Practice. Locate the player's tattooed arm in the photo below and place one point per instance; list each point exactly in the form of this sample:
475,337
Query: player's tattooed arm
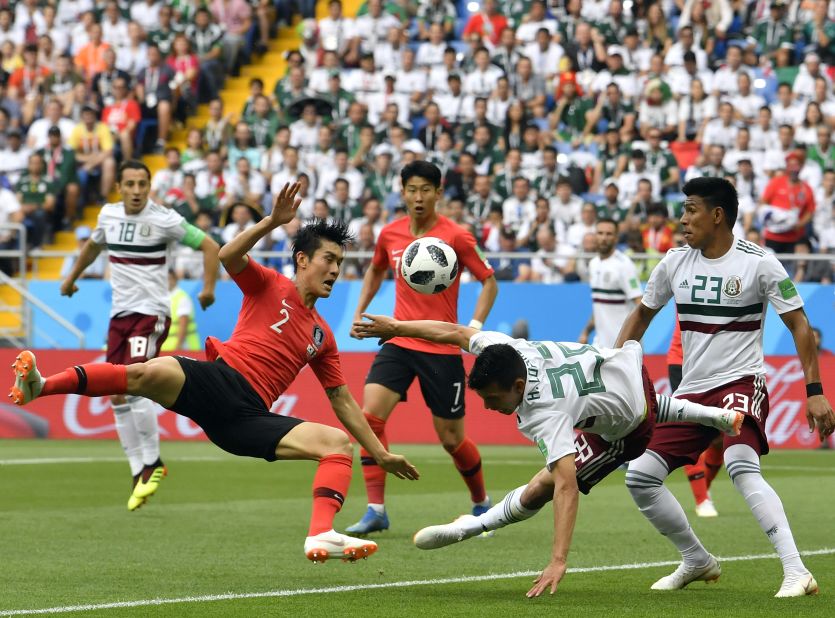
351,416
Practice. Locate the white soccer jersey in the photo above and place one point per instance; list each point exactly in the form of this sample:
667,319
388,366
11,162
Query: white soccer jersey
614,284
721,307
573,386
138,247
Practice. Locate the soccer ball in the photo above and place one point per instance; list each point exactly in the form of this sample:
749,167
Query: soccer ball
429,265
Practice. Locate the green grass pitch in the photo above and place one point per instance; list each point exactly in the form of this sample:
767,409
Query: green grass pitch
222,525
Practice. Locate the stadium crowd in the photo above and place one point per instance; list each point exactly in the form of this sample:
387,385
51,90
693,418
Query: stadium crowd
543,117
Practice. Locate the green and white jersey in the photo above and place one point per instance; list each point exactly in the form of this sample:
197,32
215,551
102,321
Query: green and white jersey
614,284
721,306
573,386
138,247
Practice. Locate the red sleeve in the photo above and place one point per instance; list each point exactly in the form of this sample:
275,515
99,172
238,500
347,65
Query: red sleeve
105,114
134,113
768,192
327,366
253,277
16,78
381,256
471,25
470,256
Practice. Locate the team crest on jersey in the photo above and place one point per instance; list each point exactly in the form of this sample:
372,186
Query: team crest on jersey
318,336
145,230
311,351
733,286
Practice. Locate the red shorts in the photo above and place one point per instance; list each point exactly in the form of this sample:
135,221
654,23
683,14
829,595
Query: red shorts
682,443
596,457
136,337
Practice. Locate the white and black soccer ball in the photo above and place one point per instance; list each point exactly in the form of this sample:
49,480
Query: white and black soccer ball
429,265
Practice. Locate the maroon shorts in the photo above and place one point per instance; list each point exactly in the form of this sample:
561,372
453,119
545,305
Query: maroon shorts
597,457
682,443
136,337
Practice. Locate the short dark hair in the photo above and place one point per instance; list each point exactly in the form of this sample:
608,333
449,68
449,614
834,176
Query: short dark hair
607,220
716,193
132,164
421,169
498,364
310,237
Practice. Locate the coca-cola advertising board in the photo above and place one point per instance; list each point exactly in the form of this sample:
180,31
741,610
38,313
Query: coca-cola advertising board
74,416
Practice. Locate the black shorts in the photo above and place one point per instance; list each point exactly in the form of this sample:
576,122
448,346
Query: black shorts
441,376
228,409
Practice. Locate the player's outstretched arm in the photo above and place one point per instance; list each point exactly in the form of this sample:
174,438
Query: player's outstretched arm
211,261
233,254
89,252
636,324
348,411
819,412
566,499
385,328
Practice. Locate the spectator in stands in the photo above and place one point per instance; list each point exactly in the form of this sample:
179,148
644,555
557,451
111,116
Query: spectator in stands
103,80
580,228
36,197
526,235
89,59
658,231
93,145
772,31
519,208
813,271
193,156
340,203
168,178
218,129
97,270
10,213
26,82
372,216
123,117
186,68
240,216
612,207
787,207
153,90
207,42
132,55
488,23
61,174
161,30
211,184
53,116
712,165
338,33
60,83
354,268
554,263
439,15
510,268
235,19
245,184
14,158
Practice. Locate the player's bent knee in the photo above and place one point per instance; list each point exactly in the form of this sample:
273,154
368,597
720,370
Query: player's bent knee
335,442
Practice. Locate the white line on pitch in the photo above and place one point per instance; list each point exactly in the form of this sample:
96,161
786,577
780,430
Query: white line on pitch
76,460
233,596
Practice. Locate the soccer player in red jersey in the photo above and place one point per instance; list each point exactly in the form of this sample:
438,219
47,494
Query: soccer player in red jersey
438,367
229,395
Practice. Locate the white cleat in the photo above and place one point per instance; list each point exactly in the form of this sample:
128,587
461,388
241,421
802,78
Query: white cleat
706,509
729,422
685,574
435,537
798,586
332,544
28,382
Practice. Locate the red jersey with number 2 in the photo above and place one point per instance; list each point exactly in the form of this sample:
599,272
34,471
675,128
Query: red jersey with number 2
412,305
276,336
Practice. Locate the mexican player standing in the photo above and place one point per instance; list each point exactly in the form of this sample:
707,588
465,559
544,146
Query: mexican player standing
614,287
439,368
722,285
137,234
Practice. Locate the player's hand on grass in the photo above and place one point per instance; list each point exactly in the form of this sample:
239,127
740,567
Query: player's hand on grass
549,578
285,204
399,466
819,414
381,326
68,287
206,299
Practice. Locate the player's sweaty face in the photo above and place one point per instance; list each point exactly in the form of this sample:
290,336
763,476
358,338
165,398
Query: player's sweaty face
323,269
135,187
697,221
607,236
420,196
501,400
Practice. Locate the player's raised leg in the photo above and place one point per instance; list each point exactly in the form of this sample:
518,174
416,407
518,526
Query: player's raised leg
332,449
520,504
645,481
674,410
743,465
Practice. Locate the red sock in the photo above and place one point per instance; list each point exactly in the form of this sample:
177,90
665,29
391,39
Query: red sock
330,486
696,476
93,380
713,457
374,475
468,461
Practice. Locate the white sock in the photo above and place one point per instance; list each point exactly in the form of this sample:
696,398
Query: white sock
645,480
672,410
743,466
508,511
128,436
147,426
380,509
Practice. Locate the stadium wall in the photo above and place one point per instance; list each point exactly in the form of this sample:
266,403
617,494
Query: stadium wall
73,416
554,312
